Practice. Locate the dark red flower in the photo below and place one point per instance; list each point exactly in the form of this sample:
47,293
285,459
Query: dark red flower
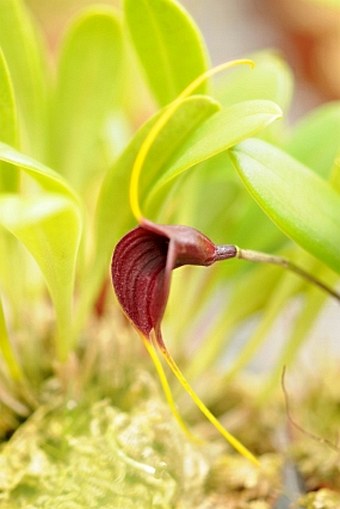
141,271
142,263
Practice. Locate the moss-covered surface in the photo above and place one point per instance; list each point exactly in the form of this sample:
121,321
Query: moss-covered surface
109,440
90,455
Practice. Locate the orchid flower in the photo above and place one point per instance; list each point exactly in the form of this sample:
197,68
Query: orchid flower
145,257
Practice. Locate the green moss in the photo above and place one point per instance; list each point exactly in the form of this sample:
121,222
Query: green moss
83,455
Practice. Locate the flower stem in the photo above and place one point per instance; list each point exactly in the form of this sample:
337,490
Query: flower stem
258,257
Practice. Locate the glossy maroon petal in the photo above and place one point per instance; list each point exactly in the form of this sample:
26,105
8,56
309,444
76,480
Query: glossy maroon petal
138,276
142,263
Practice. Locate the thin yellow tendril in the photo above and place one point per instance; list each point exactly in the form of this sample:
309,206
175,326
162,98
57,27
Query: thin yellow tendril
167,390
161,122
233,441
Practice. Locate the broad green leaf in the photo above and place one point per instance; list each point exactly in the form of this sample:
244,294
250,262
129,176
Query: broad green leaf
88,88
315,141
48,226
299,202
44,176
168,44
23,54
335,176
230,214
270,79
8,125
217,134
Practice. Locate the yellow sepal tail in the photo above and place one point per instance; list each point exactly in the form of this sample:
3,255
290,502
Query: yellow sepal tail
161,122
233,441
166,389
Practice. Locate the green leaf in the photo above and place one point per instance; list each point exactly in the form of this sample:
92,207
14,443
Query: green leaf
270,79
23,54
48,226
299,202
315,141
88,89
44,176
168,44
335,176
8,124
217,134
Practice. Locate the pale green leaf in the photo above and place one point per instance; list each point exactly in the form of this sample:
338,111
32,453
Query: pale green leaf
21,47
315,141
217,134
8,124
168,44
270,79
44,176
335,176
299,202
88,89
48,226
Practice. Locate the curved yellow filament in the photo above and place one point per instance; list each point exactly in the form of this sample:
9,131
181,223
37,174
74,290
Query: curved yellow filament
233,441
161,122
167,390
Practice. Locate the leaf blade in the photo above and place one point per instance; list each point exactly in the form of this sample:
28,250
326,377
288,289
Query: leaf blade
315,141
48,226
160,30
88,90
8,124
299,202
44,176
217,134
23,52
270,79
